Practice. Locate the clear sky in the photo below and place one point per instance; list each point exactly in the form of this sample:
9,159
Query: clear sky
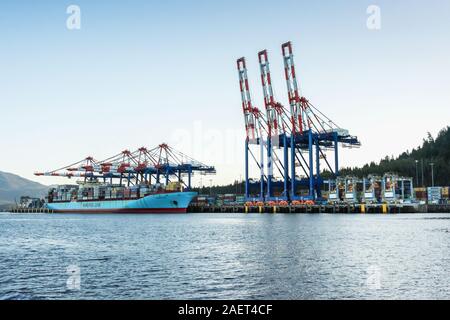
145,72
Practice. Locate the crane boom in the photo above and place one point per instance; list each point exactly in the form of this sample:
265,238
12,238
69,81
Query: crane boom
297,117
274,110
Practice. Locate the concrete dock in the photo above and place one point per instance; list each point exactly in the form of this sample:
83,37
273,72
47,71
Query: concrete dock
316,208
326,208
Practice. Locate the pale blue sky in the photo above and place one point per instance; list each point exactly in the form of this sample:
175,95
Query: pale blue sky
143,72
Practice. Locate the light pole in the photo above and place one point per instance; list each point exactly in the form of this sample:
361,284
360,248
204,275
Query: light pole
417,172
432,174
240,182
210,187
423,183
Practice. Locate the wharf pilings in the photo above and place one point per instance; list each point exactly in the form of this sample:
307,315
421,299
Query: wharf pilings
30,210
316,208
326,208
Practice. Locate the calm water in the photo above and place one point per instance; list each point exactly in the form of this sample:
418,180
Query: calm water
225,256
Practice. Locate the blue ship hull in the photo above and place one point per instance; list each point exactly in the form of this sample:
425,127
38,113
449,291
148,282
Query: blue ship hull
174,202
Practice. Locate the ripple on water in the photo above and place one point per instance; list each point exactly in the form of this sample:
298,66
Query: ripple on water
224,256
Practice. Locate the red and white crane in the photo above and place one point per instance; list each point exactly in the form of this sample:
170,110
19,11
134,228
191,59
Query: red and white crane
254,119
297,117
304,116
82,168
276,115
136,167
255,124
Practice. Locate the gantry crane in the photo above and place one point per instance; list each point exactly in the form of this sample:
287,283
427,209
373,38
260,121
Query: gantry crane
301,130
139,167
257,128
255,125
277,123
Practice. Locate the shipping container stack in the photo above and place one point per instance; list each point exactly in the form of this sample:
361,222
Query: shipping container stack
445,195
240,199
421,194
108,193
63,193
203,201
434,195
143,191
174,186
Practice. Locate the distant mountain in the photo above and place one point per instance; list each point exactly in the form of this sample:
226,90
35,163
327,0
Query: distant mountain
12,187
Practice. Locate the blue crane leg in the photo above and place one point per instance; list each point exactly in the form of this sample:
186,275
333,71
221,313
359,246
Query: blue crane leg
336,155
292,167
286,168
261,195
247,193
318,191
269,168
311,165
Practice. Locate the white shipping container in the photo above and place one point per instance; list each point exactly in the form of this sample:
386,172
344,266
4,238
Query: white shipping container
434,193
389,194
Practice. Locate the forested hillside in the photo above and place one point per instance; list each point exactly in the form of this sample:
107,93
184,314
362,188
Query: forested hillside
433,150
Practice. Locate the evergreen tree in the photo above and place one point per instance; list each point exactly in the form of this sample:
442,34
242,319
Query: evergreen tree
435,151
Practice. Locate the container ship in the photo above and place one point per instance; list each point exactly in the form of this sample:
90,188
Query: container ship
99,198
144,181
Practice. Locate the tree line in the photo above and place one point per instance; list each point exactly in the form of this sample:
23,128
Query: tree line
416,163
432,155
